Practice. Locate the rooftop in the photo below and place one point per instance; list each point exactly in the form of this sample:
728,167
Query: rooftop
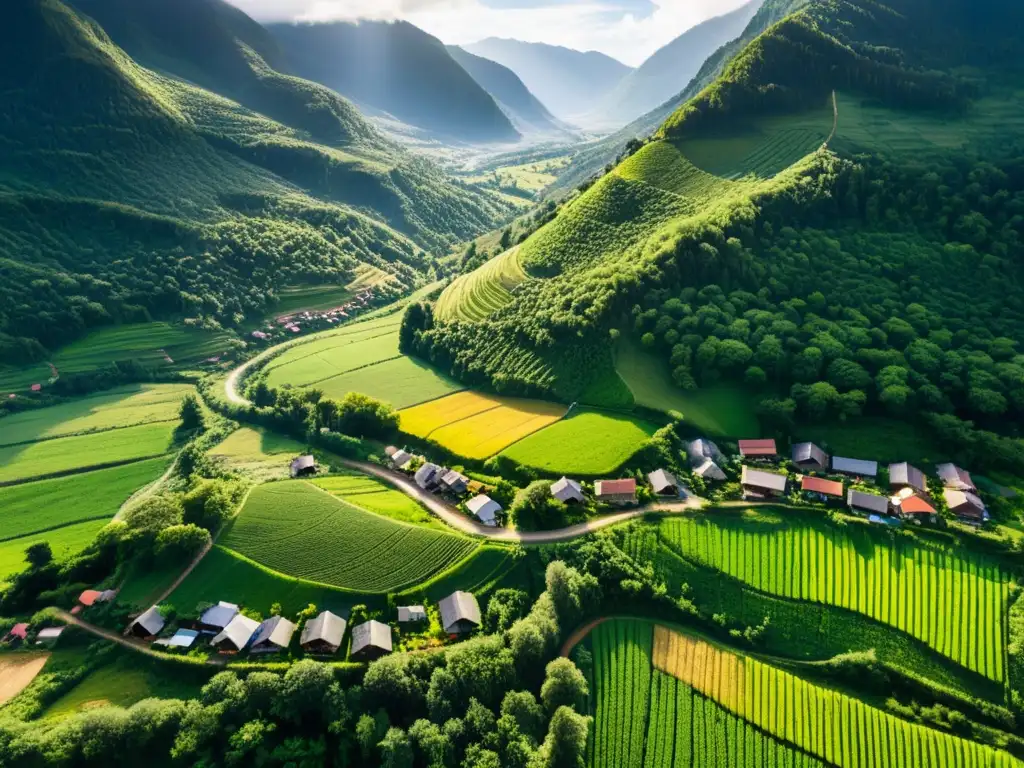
757,448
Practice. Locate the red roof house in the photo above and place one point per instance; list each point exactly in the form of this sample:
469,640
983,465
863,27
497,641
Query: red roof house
755,448
89,597
915,505
19,631
616,491
821,485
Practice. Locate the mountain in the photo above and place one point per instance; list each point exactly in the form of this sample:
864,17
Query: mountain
567,82
127,194
525,111
671,68
398,69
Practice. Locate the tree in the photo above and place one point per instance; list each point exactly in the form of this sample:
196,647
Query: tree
847,374
152,515
534,508
191,413
396,749
362,416
179,543
505,607
39,555
418,317
564,685
566,743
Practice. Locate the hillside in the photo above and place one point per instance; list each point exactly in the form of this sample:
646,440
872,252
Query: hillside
398,69
670,69
111,173
525,111
567,82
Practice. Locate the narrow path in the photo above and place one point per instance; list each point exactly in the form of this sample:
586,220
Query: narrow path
578,636
130,643
186,573
144,493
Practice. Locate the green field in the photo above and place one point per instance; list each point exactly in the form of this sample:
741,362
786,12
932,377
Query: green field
531,177
258,452
69,454
586,443
403,382
65,542
300,368
720,411
142,342
299,530
124,407
374,496
311,298
474,574
483,291
952,600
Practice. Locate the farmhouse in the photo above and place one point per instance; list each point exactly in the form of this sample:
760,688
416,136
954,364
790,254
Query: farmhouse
323,635
809,456
966,505
399,459
214,619
17,635
709,471
567,491
370,640
89,598
664,483
236,635
758,449
485,509
856,467
460,613
303,466
903,475
183,638
148,624
615,491
702,449
410,614
825,489
956,478
868,503
427,476
273,635
455,482
758,484
916,508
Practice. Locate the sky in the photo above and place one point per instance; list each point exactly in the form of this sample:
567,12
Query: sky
628,30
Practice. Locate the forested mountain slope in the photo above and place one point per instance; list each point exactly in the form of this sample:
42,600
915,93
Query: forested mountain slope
125,194
398,69
883,277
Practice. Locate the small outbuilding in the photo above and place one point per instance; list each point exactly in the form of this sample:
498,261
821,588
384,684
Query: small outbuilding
904,475
455,482
709,470
702,449
460,613
567,491
760,484
411,614
427,476
323,635
183,638
619,492
370,640
215,618
855,467
758,449
485,509
236,635
810,456
827,489
49,635
664,483
966,505
956,478
148,624
303,466
400,459
867,503
273,636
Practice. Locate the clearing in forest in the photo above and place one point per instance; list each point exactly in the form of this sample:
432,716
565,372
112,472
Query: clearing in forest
17,671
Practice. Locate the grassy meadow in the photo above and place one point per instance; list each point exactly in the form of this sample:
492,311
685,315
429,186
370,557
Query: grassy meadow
258,452
374,496
65,542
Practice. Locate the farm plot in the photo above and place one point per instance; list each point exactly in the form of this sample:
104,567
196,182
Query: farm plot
402,382
483,291
299,530
374,496
587,443
65,542
68,454
315,367
836,728
954,601
473,574
622,674
258,452
478,426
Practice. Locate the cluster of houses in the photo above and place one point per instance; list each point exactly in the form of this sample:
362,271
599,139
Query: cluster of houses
316,319
908,493
230,632
19,635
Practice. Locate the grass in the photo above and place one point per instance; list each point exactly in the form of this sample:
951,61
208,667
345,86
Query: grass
478,426
258,452
29,508
885,440
587,443
483,291
374,496
317,369
65,542
530,177
123,407
299,530
142,588
402,383
68,454
719,411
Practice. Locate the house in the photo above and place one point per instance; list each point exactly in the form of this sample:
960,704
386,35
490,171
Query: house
826,489
856,467
17,635
183,638
916,508
903,475
702,449
615,491
236,635
410,614
455,482
485,509
49,635
89,598
867,503
567,491
758,449
809,456
106,596
759,484
323,635
956,478
370,640
273,635
460,613
427,476
148,624
214,619
664,483
303,466
966,505
709,471
400,459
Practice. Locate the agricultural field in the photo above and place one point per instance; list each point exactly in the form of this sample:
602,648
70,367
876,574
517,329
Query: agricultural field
65,542
718,411
374,496
478,572
303,368
311,298
952,600
587,443
478,426
259,453
17,671
483,291
299,530
622,686
402,382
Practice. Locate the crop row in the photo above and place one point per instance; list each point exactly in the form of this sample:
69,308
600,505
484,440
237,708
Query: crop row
622,673
479,294
953,601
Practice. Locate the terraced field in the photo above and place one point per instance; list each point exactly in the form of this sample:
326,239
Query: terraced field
372,495
299,530
484,291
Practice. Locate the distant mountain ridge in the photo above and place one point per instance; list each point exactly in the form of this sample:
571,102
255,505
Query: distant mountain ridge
566,81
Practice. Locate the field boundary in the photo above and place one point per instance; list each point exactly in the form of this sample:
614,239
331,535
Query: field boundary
80,470
96,431
52,528
287,577
269,367
350,370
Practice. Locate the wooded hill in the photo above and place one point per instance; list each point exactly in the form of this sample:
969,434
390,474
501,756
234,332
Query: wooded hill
125,193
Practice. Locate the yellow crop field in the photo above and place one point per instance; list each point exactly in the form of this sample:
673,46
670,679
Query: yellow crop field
478,426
